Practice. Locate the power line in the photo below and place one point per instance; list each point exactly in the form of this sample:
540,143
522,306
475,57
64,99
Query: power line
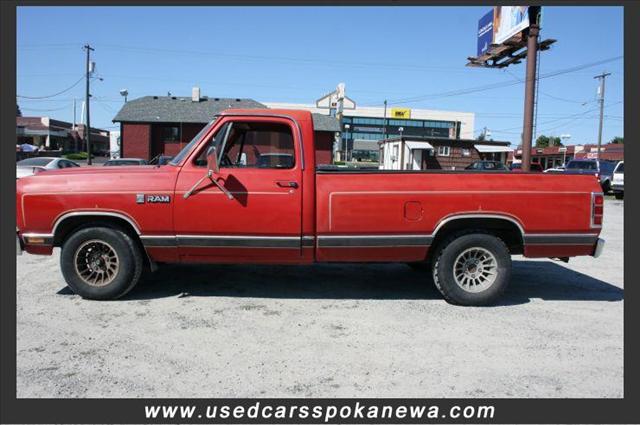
501,84
53,95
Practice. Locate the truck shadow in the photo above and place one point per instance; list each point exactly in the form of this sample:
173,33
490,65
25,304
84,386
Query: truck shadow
530,279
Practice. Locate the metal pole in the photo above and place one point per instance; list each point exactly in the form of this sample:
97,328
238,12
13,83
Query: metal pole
529,96
87,129
601,77
384,121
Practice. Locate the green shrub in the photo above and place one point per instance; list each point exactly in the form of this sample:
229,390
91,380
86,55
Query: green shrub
76,155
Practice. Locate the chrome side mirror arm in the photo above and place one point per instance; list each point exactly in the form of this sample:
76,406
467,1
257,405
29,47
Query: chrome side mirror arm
209,176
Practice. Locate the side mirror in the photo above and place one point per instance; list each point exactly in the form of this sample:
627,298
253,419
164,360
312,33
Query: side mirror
212,161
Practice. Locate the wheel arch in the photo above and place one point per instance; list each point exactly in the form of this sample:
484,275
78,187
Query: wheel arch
68,222
506,227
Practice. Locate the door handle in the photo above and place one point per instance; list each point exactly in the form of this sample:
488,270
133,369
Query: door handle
283,183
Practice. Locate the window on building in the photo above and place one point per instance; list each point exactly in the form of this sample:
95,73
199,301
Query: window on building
444,150
170,133
466,152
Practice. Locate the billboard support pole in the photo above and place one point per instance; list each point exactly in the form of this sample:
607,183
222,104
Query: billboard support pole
529,95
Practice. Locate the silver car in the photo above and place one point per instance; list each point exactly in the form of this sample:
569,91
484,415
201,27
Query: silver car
31,166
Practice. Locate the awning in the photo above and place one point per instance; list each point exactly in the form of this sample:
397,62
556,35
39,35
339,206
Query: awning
492,148
418,145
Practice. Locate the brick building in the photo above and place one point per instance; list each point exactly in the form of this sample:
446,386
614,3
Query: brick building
555,156
59,136
163,125
434,153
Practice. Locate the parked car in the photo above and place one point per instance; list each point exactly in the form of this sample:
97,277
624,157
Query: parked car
601,169
617,182
487,166
31,166
125,161
534,167
206,208
160,160
558,169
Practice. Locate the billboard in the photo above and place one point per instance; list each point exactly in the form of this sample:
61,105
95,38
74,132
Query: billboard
485,33
509,21
400,113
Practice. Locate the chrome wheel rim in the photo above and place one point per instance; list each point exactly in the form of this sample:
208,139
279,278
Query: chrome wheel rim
475,269
96,263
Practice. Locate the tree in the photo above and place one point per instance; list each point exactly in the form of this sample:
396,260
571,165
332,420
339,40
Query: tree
18,111
544,141
618,140
481,137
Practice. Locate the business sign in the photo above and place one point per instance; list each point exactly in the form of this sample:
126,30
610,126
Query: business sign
485,33
509,21
400,113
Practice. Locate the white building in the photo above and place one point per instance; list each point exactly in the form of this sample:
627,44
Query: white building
364,126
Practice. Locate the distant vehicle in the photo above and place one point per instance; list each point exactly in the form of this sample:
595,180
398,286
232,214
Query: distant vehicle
31,166
617,182
125,161
534,167
558,169
487,166
602,169
160,160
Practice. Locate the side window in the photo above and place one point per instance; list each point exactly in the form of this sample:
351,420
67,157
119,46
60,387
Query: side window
253,145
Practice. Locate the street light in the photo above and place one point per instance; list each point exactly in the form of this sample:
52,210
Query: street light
564,151
346,141
400,129
124,93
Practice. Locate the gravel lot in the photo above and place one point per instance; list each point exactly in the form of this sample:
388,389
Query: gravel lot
326,331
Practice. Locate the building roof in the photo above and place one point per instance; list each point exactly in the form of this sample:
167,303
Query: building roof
440,140
179,109
325,123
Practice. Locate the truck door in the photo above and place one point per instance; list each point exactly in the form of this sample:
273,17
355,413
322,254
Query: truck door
258,167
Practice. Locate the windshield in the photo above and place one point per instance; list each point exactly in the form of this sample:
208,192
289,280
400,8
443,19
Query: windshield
34,162
183,153
620,168
582,165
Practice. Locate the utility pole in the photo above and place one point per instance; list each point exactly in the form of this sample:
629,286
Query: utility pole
601,77
87,95
529,94
384,121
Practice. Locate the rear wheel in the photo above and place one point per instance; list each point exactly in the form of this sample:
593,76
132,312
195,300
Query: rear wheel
101,263
472,268
619,195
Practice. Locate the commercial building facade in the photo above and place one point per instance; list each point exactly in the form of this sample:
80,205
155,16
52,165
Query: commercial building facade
363,127
51,135
556,156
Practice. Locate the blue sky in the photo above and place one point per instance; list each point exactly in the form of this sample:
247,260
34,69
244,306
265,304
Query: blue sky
297,54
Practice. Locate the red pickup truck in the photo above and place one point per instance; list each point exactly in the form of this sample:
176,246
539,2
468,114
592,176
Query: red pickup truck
247,189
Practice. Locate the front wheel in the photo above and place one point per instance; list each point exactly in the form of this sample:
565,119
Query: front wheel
472,269
619,195
101,263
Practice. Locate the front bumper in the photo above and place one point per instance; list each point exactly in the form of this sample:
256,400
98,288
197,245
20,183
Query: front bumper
617,187
598,248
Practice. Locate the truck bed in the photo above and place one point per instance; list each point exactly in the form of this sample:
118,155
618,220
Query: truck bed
361,211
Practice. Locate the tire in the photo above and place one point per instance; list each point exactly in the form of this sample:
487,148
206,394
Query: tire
619,195
476,287
606,186
101,248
